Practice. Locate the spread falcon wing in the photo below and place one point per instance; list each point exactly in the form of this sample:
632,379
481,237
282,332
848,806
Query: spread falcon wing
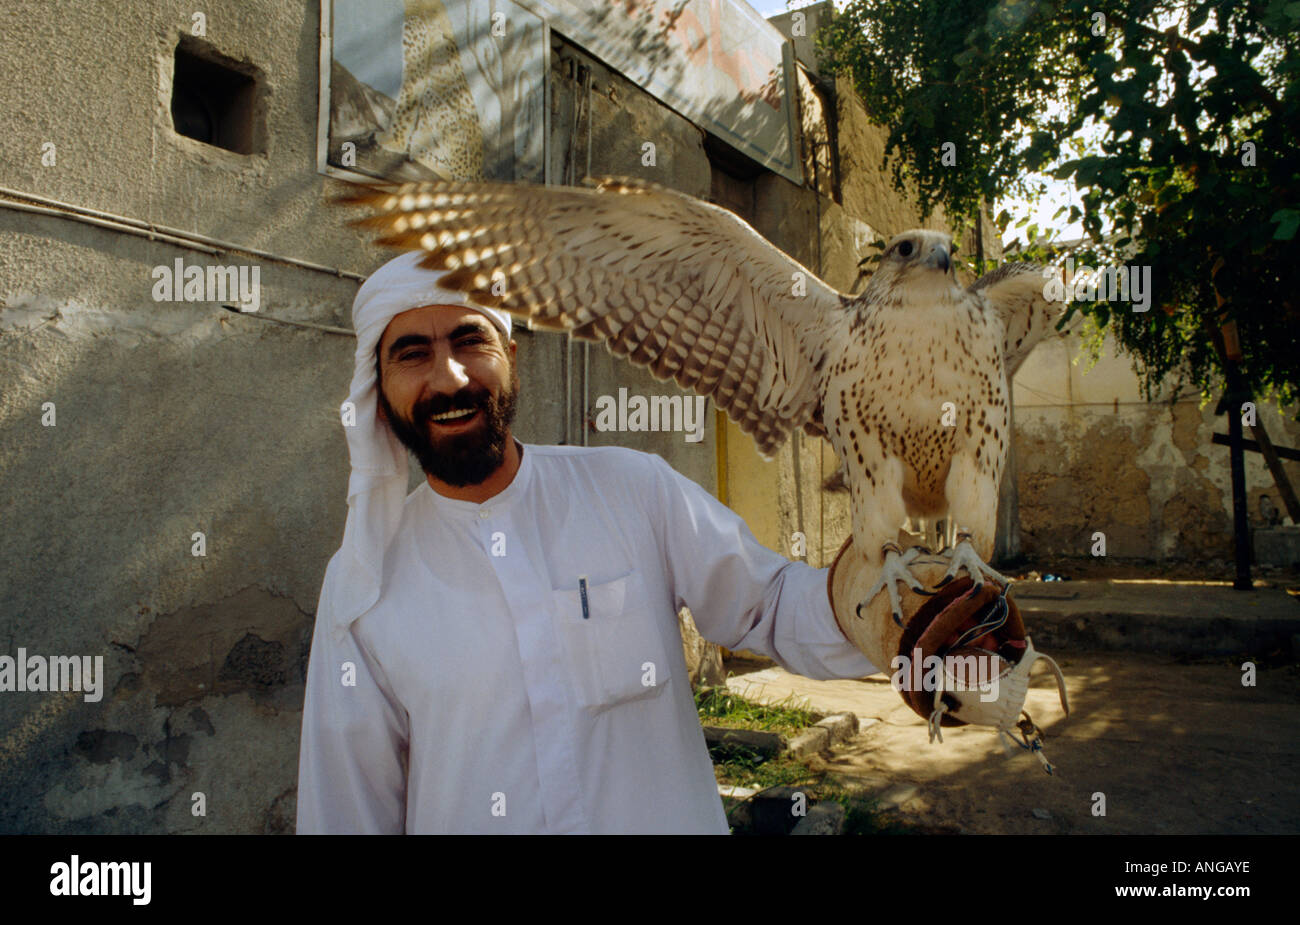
680,286
1015,291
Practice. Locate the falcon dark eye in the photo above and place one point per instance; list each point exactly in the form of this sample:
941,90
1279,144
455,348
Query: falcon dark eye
905,249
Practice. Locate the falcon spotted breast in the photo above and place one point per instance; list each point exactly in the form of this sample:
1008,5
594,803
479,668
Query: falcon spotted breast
908,381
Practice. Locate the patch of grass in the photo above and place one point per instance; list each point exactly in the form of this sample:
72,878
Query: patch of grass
717,706
744,767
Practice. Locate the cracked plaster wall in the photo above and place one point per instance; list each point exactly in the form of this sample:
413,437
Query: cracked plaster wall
1095,456
171,418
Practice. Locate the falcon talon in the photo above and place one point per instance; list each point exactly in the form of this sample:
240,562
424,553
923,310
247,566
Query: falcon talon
893,572
965,557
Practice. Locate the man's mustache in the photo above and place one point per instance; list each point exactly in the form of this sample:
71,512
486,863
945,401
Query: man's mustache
465,399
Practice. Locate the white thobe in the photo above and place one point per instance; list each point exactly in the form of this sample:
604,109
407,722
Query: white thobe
480,696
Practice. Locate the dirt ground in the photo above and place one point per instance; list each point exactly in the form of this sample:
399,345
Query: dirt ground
1174,746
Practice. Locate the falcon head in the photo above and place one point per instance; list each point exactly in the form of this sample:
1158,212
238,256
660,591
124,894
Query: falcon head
919,260
919,251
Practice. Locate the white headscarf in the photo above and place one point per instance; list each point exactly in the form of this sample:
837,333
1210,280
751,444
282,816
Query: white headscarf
380,470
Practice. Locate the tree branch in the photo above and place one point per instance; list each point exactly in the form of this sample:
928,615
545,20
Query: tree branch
1192,48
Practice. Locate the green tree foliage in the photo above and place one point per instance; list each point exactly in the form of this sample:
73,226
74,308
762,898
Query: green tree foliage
1178,124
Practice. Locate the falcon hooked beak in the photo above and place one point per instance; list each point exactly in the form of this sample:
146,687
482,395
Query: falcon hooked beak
915,252
938,257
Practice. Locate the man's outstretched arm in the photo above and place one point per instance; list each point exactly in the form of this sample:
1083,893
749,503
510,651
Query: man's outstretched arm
742,594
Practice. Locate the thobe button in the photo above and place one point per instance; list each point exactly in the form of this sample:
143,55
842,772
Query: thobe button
482,515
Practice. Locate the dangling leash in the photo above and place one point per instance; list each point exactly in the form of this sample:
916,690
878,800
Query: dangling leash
1031,738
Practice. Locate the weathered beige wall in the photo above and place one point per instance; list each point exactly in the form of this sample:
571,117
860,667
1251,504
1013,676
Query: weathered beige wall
1095,456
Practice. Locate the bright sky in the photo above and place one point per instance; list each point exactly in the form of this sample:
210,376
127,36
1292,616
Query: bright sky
772,7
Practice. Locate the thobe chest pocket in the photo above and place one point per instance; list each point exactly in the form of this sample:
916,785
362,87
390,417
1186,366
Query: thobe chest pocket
616,652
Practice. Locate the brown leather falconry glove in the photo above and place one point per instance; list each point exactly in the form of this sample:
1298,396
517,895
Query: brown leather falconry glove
961,656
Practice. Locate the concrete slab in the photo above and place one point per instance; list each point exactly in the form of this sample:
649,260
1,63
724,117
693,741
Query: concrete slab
767,744
1172,617
1277,546
826,818
811,741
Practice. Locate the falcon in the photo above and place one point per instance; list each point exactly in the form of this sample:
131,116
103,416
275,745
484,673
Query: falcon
908,380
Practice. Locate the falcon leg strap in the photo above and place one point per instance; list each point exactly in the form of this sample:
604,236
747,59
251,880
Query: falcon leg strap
1031,738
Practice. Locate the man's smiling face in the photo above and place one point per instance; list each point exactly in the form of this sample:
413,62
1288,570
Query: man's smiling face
448,388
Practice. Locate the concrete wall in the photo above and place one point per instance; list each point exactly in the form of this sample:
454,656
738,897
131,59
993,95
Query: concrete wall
1095,456
171,418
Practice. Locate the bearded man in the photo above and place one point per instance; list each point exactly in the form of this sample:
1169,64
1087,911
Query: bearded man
498,652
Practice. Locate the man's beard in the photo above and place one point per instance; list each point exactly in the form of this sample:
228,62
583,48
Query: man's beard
459,459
